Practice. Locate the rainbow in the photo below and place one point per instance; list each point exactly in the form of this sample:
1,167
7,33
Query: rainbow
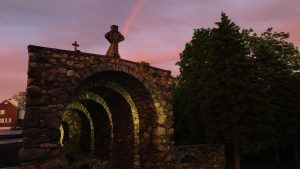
131,16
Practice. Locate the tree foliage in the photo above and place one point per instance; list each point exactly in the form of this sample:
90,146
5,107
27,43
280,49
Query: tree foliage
278,61
224,95
237,87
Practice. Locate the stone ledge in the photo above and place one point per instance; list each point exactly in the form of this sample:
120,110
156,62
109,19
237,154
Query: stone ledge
34,48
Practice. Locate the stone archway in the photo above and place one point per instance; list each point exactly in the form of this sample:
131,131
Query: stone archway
128,101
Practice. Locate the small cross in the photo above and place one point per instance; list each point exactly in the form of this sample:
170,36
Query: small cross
75,44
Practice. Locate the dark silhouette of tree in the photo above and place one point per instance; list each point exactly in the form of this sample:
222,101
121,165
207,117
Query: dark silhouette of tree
278,61
221,95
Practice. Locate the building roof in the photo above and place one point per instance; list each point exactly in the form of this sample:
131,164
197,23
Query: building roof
14,102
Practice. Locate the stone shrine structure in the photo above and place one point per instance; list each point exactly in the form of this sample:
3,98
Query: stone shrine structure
83,106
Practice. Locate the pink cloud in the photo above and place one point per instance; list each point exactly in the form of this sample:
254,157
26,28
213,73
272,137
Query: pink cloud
157,32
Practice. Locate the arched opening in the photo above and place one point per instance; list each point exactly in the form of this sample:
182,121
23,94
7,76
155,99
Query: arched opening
66,135
122,114
85,136
76,133
102,128
123,134
71,121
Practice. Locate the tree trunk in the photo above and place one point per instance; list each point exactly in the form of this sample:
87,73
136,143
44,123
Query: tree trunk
237,156
277,156
296,155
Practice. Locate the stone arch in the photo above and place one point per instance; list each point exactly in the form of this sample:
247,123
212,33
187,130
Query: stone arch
98,99
73,124
76,121
82,108
114,86
122,92
160,92
150,85
53,79
78,106
119,89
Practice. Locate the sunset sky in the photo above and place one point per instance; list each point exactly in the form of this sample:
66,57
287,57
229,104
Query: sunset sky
155,30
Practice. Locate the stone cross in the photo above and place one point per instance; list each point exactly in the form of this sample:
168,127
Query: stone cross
75,44
114,37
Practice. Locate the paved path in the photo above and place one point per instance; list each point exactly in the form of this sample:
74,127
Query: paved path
10,136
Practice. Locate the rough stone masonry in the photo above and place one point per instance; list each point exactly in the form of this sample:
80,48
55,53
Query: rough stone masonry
144,104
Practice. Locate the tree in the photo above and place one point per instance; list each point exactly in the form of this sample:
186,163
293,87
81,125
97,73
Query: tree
186,100
21,98
278,62
225,97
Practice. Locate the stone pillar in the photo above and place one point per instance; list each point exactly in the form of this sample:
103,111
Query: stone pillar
41,133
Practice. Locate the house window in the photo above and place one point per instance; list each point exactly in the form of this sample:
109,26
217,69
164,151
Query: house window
8,120
2,112
5,120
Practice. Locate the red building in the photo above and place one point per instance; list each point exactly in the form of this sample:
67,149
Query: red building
9,114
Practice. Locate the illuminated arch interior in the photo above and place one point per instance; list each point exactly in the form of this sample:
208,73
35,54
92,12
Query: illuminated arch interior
118,104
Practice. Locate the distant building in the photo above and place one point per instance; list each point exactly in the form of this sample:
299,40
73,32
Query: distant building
8,114
11,114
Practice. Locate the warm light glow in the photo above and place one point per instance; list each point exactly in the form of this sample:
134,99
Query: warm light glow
98,99
62,134
71,118
119,89
82,108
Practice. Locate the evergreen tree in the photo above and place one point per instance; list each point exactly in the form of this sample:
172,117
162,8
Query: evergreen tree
187,117
225,97
236,87
278,62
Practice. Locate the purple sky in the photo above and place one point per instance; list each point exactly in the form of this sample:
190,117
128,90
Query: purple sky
155,30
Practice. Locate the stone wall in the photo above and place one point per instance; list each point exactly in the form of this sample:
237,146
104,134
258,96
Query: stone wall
197,157
53,76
